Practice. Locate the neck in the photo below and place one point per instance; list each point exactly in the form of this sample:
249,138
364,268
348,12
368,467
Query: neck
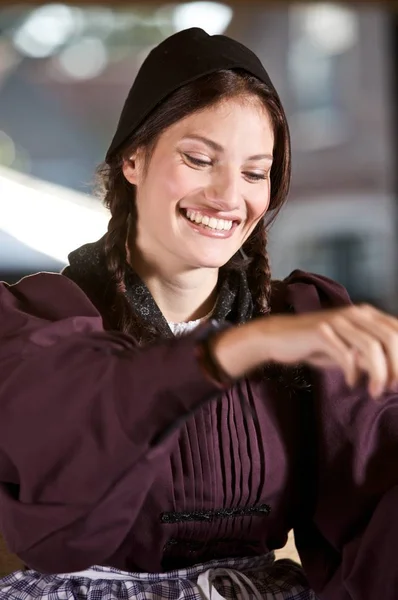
181,295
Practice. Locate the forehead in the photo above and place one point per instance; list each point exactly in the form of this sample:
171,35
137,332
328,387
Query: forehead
243,121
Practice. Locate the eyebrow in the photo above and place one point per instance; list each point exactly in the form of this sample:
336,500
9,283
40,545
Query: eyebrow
218,148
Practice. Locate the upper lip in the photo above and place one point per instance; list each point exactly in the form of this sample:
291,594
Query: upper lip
215,214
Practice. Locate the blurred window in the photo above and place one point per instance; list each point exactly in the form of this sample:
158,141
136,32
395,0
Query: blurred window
348,258
319,34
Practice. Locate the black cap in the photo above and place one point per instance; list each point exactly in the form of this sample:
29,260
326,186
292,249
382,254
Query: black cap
178,60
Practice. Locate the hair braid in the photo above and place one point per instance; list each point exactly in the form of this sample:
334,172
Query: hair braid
259,270
115,247
119,198
291,379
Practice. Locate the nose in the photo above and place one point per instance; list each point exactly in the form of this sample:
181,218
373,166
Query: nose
223,192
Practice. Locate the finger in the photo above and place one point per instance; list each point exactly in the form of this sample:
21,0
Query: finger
375,312
370,353
351,375
333,350
385,329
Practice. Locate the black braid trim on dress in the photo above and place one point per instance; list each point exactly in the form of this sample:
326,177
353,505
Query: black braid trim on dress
208,516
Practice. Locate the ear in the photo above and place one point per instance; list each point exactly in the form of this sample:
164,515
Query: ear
131,168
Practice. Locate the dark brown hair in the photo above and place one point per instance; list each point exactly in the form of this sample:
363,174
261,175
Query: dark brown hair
119,194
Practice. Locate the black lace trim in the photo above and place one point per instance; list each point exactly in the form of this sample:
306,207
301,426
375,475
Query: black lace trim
212,515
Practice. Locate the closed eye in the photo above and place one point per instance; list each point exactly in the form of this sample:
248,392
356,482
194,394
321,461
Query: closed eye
198,162
253,177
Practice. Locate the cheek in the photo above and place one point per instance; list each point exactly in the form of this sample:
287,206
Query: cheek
174,181
258,203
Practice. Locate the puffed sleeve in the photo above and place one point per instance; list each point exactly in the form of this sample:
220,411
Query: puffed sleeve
87,420
347,535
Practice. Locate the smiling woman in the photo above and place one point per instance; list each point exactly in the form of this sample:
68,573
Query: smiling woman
207,151
168,412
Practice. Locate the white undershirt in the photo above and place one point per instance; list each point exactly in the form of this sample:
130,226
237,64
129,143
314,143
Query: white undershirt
188,326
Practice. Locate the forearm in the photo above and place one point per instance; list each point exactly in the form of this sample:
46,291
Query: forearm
239,350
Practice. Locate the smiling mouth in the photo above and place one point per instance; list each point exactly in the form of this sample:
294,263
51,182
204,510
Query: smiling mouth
208,222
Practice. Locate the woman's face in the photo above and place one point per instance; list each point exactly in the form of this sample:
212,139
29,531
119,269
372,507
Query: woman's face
206,186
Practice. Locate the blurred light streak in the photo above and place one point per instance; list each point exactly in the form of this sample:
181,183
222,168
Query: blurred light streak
48,218
7,149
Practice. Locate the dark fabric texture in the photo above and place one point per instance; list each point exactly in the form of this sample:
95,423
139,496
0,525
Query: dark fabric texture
87,268
178,60
99,439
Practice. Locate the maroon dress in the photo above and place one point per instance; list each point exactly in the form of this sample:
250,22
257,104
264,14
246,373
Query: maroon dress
132,457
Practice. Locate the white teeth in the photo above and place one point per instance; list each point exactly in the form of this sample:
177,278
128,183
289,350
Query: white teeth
211,222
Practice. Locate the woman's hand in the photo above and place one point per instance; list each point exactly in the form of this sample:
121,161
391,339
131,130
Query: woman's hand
358,339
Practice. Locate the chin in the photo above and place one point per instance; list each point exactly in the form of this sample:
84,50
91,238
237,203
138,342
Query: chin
211,265
214,262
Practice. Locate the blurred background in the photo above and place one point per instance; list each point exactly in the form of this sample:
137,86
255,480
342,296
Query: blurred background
65,71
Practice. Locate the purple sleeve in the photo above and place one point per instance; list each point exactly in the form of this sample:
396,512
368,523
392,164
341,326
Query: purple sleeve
86,422
349,544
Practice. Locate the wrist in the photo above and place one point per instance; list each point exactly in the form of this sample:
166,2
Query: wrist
239,350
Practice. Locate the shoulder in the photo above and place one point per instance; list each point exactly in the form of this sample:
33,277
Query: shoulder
304,292
41,310
50,296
